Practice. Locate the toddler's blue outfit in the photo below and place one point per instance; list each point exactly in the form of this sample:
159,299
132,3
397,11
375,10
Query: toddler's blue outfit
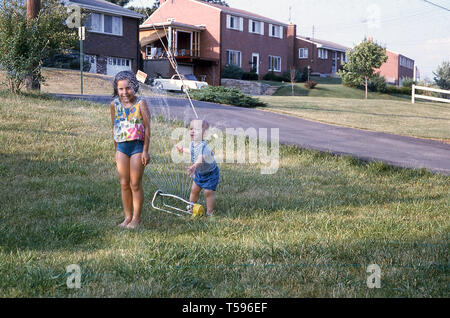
207,174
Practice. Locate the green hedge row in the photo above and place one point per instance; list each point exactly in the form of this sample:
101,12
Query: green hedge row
222,95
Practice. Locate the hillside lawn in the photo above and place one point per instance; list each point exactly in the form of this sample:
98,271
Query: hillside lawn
333,103
310,230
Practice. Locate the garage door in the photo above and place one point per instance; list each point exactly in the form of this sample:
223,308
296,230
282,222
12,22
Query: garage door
185,69
116,65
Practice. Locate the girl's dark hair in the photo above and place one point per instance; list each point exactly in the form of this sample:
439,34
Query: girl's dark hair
125,75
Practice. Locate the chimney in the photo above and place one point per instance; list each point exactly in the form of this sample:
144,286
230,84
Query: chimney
291,38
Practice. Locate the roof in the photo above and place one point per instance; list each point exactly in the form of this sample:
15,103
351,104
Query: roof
105,7
173,24
325,44
242,13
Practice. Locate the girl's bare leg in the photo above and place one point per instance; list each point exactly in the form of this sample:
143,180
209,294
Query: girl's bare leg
136,173
123,168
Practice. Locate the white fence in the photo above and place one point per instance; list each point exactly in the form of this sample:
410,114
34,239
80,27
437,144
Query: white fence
423,88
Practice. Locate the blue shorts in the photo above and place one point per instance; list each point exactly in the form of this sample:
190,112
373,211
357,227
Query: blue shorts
130,147
208,181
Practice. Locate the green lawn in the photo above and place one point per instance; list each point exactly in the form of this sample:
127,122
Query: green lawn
310,230
425,120
333,88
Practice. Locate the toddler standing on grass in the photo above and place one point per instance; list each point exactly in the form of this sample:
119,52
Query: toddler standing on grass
204,169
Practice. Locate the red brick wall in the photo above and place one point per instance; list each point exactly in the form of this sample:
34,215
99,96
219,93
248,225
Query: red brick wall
104,45
248,43
390,68
190,12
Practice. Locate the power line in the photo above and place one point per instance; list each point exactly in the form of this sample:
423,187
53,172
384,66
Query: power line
436,5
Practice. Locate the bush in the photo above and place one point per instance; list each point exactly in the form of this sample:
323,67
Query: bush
407,82
298,76
377,84
310,84
222,95
398,90
233,72
250,76
271,76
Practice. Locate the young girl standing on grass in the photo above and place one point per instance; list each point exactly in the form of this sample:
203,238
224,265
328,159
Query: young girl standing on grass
131,131
204,170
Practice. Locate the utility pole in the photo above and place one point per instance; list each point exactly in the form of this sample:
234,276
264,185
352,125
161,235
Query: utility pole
33,8
82,37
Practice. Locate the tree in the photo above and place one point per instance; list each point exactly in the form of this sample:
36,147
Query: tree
121,3
223,3
363,59
442,75
292,77
25,44
146,11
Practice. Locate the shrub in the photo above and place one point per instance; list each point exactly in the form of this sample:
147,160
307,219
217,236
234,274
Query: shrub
271,76
310,84
250,76
298,76
377,84
222,95
407,82
232,71
398,90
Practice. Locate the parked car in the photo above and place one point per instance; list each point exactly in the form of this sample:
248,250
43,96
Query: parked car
175,83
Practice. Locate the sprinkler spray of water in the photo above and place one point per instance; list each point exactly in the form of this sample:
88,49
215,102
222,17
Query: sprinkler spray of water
159,201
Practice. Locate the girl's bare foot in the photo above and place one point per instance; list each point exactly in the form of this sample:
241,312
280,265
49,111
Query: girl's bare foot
133,224
125,223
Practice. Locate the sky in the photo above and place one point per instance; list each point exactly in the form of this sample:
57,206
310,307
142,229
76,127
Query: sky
415,28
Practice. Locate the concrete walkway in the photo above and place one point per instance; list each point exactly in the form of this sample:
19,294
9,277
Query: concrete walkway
392,149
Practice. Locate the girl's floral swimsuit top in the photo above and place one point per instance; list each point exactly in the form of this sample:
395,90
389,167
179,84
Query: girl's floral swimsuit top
128,124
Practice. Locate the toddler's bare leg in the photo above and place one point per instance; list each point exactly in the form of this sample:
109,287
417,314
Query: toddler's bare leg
210,201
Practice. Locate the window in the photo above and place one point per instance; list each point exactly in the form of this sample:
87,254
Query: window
322,54
343,57
119,61
276,31
405,62
103,23
303,53
234,58
256,27
274,63
235,23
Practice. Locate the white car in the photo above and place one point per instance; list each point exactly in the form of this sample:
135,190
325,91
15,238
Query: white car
176,84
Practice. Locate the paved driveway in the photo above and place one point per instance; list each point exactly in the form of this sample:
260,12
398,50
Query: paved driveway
366,145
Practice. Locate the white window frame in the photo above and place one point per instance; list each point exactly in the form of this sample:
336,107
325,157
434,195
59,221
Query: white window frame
277,67
343,57
118,61
322,54
116,24
257,24
276,31
230,58
303,53
235,23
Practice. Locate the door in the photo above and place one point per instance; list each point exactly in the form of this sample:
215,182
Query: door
255,62
334,63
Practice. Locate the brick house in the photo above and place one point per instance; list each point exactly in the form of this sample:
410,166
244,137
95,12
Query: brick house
205,37
323,57
112,36
396,68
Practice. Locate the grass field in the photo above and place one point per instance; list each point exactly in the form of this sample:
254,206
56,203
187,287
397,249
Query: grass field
425,120
310,230
333,103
